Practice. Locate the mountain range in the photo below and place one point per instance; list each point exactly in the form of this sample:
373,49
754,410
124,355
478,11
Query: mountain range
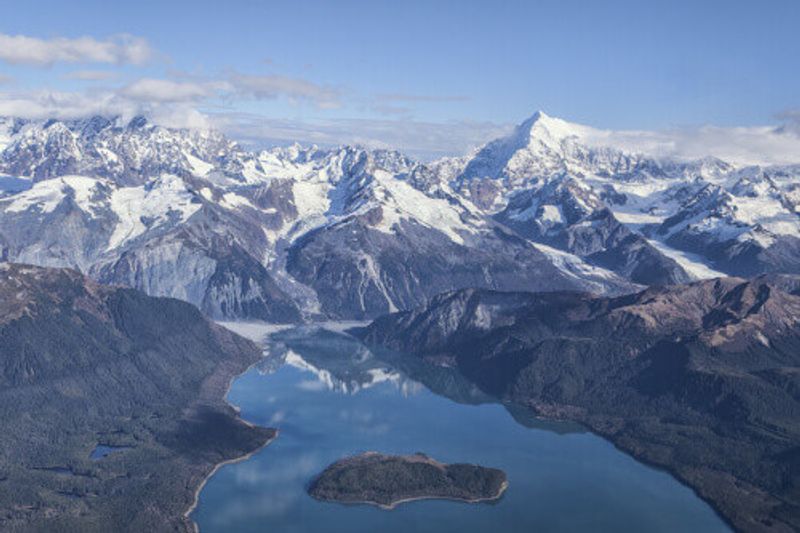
294,233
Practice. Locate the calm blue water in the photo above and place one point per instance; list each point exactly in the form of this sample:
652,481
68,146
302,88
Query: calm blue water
330,397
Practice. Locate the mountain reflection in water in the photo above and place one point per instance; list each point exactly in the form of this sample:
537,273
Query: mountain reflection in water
331,396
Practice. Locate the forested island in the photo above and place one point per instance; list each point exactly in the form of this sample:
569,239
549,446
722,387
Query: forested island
389,480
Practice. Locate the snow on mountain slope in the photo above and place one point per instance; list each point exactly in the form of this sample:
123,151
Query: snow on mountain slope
539,149
736,220
167,212
6,132
198,166
45,196
350,232
165,199
729,223
567,214
400,201
137,209
596,277
128,153
328,187
372,242
694,264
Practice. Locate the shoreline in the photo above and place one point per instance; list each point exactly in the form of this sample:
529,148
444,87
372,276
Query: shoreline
396,503
671,470
185,517
196,499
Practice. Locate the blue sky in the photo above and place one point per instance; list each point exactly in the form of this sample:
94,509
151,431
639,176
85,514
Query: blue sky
394,72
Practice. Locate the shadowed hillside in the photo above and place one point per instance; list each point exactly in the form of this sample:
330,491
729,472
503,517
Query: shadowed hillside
83,365
701,379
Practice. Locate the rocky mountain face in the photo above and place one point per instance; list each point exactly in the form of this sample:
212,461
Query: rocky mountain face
746,228
292,233
698,378
86,367
570,216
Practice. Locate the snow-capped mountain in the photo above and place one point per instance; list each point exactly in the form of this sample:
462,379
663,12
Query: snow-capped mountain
709,216
367,240
543,148
570,215
128,153
353,233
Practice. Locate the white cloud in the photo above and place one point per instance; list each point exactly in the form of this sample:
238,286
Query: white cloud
177,116
61,105
295,89
91,75
181,103
76,105
158,90
117,50
235,87
755,145
421,139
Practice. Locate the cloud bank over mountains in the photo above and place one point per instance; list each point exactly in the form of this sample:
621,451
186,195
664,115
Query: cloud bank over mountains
227,102
741,145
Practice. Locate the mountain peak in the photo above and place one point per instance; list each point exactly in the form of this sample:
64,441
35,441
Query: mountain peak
538,121
138,122
539,115
546,129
